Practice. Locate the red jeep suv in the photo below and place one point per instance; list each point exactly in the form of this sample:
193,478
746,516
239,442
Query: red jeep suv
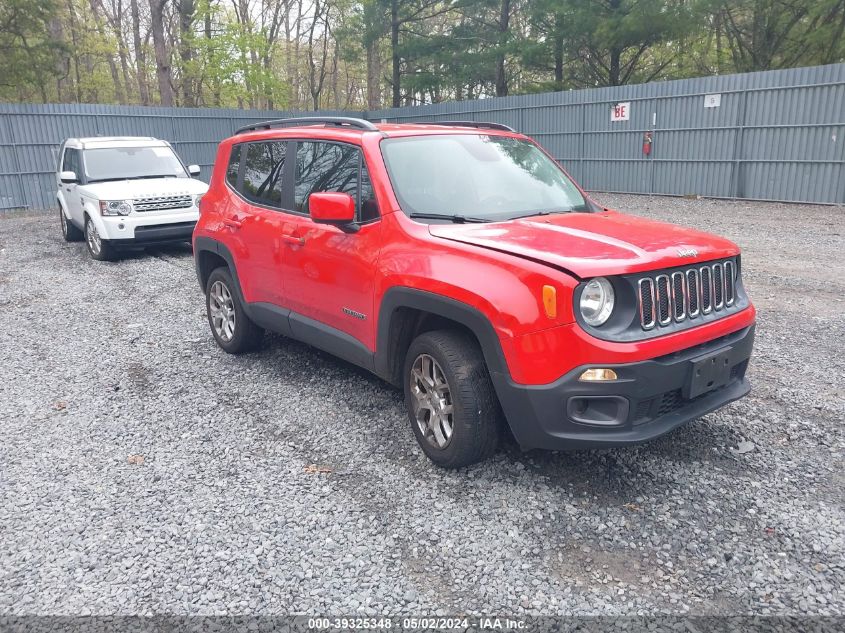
458,261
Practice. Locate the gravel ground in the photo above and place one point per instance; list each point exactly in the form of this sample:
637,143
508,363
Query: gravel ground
103,362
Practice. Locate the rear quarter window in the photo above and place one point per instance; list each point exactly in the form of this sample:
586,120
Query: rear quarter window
234,166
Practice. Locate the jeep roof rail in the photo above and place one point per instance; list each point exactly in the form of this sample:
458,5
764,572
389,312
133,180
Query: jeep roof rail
478,124
338,121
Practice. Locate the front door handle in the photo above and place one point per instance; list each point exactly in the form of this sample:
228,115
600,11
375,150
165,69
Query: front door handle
233,223
294,240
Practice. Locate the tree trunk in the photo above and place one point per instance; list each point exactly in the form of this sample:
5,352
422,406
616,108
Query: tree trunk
74,58
163,70
335,92
215,84
373,76
140,54
615,64
99,17
62,61
394,52
186,9
559,62
504,25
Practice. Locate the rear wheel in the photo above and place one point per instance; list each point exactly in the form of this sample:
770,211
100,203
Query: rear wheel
451,403
233,330
69,230
98,248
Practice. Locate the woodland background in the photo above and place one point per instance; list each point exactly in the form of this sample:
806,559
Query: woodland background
340,54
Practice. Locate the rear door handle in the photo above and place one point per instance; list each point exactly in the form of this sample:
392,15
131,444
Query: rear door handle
233,223
293,239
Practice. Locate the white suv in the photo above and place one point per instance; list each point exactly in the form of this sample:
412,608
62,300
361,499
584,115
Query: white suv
125,191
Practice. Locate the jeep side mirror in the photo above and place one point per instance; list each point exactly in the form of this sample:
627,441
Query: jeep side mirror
194,170
68,177
331,207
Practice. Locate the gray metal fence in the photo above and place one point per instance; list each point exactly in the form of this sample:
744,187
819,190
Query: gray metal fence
777,135
30,136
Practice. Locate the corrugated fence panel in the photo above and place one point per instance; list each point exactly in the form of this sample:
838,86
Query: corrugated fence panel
777,135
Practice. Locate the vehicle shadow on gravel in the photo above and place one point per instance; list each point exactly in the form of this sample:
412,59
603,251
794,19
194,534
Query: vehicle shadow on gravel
615,472
610,474
165,250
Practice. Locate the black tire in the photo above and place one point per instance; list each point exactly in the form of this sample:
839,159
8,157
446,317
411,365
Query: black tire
70,231
106,252
246,335
476,414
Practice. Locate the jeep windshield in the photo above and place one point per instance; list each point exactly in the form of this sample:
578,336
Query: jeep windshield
132,163
475,177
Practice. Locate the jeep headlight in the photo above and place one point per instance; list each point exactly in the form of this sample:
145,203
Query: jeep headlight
115,207
597,299
197,198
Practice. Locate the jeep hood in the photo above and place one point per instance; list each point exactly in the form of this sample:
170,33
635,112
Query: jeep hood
132,189
592,244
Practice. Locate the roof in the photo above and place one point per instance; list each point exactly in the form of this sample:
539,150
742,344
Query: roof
418,129
100,142
390,130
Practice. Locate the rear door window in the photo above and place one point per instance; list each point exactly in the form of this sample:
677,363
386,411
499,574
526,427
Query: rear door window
262,172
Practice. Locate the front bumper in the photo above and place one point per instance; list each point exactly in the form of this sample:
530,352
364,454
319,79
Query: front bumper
649,398
149,228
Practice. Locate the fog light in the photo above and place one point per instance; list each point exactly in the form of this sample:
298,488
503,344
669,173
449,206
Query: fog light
598,375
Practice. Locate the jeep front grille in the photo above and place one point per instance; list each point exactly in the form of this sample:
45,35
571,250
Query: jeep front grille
162,203
686,294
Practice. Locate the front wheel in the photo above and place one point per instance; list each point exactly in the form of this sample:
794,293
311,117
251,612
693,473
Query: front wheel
98,248
69,230
233,330
451,403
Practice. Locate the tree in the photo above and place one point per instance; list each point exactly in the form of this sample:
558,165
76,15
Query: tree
29,55
309,54
620,40
768,34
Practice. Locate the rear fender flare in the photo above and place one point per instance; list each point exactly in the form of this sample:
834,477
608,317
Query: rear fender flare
209,245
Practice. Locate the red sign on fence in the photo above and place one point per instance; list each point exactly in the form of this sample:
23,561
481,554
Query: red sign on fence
620,112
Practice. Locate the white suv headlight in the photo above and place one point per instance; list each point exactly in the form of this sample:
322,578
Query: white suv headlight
597,301
115,207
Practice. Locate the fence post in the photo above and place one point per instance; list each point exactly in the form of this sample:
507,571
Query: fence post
653,155
582,175
173,132
737,189
16,160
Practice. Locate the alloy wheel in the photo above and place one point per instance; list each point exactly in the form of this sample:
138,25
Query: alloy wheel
92,237
432,403
221,307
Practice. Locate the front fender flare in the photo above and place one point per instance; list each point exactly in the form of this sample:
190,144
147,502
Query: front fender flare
452,309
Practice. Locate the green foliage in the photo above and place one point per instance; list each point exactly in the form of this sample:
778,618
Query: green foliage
27,52
350,53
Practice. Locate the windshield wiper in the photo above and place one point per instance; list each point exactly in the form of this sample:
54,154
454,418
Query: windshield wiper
455,218
537,213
